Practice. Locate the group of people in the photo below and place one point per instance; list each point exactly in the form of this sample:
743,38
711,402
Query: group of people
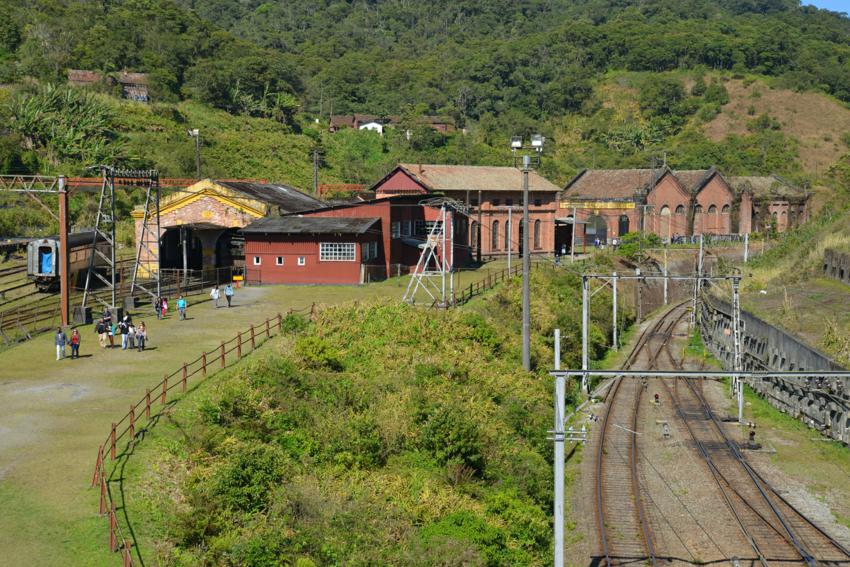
215,294
132,337
599,243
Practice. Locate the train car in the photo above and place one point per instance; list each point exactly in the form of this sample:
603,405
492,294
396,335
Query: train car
43,259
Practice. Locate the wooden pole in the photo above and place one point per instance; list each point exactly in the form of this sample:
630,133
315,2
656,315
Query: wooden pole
221,356
132,422
164,389
204,364
112,441
102,494
239,346
98,464
268,332
148,403
113,543
253,344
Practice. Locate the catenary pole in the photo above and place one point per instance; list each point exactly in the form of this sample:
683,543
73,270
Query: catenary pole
560,408
64,257
584,322
616,340
509,240
573,245
526,271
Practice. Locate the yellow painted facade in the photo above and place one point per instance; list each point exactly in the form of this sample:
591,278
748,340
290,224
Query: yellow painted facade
598,205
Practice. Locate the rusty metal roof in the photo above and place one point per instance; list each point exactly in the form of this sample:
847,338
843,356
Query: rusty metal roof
475,178
311,225
768,186
288,199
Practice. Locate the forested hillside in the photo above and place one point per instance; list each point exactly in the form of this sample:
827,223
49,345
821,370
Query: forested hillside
610,83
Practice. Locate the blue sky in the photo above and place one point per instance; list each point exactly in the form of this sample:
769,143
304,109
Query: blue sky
834,5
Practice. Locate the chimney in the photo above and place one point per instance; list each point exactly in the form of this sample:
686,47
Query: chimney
421,169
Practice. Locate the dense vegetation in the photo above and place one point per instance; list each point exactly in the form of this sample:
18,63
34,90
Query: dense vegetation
379,435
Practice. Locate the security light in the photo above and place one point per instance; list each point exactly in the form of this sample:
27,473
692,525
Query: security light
537,142
193,132
516,142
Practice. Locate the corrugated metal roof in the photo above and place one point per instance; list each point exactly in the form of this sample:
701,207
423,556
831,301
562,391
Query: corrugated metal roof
311,225
475,178
289,199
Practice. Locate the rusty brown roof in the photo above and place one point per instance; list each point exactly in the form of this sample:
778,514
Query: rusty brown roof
311,225
475,178
693,179
767,186
126,78
610,183
83,76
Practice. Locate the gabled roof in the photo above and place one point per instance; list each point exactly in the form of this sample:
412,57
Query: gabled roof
437,178
288,199
767,186
311,225
611,183
126,78
83,76
693,180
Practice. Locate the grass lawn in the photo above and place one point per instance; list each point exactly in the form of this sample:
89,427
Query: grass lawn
55,413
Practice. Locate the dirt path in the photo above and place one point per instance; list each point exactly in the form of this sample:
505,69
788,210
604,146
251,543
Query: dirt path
54,413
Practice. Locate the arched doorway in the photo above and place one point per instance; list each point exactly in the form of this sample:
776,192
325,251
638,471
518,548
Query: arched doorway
596,228
230,249
623,225
171,249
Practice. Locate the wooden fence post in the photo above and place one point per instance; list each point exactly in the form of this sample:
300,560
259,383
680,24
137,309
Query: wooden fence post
268,333
148,403
132,422
112,441
113,543
183,381
279,322
239,346
313,311
164,389
128,556
221,356
204,363
98,464
102,493
253,344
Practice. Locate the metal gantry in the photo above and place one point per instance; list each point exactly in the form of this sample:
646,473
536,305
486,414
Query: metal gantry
150,226
434,270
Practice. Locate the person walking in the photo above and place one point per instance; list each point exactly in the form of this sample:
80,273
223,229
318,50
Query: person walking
228,293
141,336
215,294
164,306
100,329
124,329
113,328
60,339
75,344
131,335
181,308
157,307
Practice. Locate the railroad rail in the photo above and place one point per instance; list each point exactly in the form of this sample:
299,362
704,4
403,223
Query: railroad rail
775,531
619,501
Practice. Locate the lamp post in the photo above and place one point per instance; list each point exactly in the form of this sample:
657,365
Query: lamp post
537,142
195,133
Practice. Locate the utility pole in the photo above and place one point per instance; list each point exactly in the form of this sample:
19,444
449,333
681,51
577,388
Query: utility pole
616,340
560,461
573,245
315,171
526,271
64,256
746,246
665,276
737,386
584,322
183,232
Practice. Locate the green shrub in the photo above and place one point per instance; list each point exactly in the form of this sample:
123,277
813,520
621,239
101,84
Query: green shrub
293,323
466,526
244,480
480,332
451,435
316,353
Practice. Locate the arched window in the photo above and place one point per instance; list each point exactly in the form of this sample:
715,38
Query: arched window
725,210
494,236
665,211
712,210
537,234
698,210
473,233
680,210
508,229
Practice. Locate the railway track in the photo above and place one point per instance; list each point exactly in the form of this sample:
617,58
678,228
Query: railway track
625,533
775,531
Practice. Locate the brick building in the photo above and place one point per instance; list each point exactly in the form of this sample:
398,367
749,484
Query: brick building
494,196
207,217
398,227
670,203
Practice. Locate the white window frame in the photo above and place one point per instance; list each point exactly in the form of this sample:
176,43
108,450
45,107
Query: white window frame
396,229
373,250
258,261
407,228
337,252
302,260
278,261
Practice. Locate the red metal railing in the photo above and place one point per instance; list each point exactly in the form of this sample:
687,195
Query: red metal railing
203,365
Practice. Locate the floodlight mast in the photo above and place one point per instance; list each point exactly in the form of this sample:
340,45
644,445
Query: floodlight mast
537,142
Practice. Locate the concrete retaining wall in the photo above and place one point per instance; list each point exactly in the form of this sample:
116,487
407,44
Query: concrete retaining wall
822,403
836,265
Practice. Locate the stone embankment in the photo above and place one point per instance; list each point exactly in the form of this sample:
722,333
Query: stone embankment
822,403
836,265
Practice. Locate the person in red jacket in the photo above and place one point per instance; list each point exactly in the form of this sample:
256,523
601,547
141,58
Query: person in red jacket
75,344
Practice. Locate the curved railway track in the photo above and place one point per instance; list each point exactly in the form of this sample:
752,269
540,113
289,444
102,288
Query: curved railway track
777,533
625,533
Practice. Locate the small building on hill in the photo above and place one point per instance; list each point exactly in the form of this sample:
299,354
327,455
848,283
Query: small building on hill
613,202
134,86
494,198
206,219
379,123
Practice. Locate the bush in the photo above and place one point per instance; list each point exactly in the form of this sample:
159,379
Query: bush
318,354
244,481
467,527
450,435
